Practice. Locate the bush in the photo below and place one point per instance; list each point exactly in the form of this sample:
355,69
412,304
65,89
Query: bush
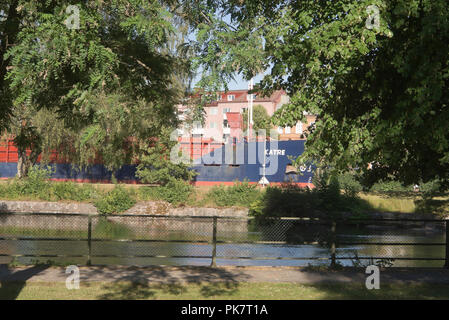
35,185
175,191
117,200
430,189
72,191
285,201
390,186
290,200
349,184
240,194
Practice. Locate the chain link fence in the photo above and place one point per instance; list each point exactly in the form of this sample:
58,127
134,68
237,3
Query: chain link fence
187,240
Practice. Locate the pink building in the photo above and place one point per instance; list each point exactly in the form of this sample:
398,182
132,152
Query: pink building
222,115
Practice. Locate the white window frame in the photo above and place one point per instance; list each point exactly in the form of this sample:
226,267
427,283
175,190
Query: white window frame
299,127
213,111
231,97
288,130
197,125
280,130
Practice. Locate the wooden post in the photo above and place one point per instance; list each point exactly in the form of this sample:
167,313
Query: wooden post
333,247
446,265
89,239
214,243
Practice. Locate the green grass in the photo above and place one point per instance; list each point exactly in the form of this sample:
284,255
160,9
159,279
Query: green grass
406,203
219,290
389,204
118,198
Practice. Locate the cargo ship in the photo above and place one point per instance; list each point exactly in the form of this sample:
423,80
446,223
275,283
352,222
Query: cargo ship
262,162
217,150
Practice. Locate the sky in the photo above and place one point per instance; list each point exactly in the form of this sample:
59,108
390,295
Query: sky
243,84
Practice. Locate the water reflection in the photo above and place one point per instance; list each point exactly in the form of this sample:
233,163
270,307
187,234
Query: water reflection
298,251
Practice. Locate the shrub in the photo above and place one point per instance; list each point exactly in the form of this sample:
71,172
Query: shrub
72,191
292,201
389,186
349,184
430,189
240,194
287,200
117,200
35,185
175,191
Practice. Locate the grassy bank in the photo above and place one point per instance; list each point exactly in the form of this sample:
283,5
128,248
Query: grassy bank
285,200
225,290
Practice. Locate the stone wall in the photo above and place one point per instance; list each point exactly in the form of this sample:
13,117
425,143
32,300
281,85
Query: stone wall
144,207
134,218
46,207
164,208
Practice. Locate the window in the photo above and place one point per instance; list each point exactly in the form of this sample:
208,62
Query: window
213,111
231,97
243,110
299,128
213,125
249,96
225,110
280,130
197,125
287,130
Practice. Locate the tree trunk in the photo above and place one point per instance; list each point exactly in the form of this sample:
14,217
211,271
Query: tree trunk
25,162
22,170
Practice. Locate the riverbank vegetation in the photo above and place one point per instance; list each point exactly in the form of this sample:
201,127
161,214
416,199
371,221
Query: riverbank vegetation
330,196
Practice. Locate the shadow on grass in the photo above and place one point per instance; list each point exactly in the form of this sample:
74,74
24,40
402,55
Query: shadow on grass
388,291
144,283
435,206
12,283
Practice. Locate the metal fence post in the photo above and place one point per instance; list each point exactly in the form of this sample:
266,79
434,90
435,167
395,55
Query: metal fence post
89,239
446,265
214,243
333,247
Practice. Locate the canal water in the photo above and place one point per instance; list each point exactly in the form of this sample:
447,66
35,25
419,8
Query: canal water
304,245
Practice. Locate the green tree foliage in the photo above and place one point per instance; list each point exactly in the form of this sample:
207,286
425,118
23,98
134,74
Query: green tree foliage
110,85
240,194
176,192
41,132
157,165
261,119
117,200
380,91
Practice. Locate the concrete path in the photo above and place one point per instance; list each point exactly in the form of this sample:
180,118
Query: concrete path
222,274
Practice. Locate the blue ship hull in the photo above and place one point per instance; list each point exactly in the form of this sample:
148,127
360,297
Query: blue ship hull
242,161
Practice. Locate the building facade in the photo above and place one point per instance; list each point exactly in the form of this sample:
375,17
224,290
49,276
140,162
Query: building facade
223,117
